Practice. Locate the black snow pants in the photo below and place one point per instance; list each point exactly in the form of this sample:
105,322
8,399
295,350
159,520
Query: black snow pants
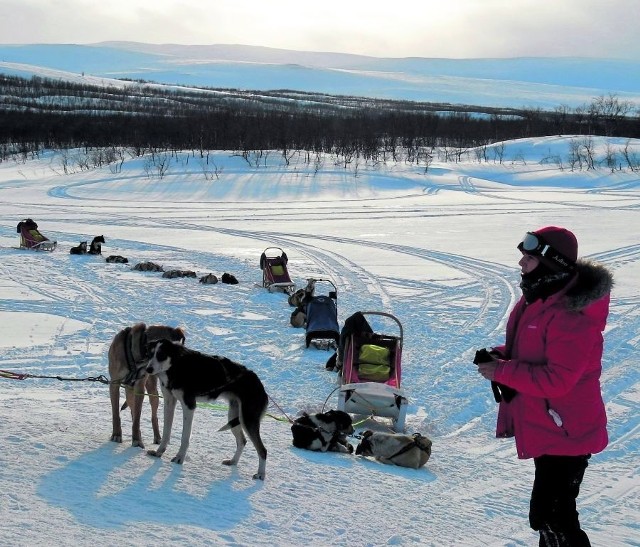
552,511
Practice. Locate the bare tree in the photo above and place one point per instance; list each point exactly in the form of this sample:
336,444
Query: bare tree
587,148
610,110
610,157
633,162
498,152
574,159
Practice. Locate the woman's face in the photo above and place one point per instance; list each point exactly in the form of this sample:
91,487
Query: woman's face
528,263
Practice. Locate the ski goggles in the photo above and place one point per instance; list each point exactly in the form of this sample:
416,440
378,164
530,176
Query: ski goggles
536,245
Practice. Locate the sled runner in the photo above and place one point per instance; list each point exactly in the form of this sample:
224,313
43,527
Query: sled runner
371,372
31,238
275,276
322,329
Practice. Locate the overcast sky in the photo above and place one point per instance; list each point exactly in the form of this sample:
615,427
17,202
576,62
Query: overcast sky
381,28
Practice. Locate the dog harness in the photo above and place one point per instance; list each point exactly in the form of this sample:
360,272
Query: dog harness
132,364
415,443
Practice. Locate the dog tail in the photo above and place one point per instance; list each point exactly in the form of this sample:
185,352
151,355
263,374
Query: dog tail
230,425
124,405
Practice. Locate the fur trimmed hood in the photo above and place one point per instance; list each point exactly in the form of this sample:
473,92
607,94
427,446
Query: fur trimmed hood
593,281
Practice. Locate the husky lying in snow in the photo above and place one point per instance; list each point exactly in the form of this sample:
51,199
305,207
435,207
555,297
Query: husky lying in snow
148,267
80,249
117,259
324,432
228,278
397,449
209,279
172,274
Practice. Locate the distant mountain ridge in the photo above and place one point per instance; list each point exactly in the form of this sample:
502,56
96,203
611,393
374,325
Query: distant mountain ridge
576,71
516,82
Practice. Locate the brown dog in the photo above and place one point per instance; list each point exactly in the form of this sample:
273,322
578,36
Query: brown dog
128,358
172,274
148,267
209,279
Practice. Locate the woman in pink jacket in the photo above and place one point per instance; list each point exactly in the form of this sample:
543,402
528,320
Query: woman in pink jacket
546,376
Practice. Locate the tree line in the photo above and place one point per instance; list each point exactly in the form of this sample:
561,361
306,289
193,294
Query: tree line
40,113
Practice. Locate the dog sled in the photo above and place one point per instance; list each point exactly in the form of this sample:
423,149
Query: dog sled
275,276
371,371
31,238
321,310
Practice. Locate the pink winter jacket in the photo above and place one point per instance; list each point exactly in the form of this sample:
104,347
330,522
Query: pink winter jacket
552,358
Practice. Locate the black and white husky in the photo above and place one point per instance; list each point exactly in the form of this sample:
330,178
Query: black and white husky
324,432
189,376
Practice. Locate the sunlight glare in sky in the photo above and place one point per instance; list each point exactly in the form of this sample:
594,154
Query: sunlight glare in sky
454,28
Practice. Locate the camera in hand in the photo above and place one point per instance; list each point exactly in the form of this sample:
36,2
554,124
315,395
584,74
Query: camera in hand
482,356
500,391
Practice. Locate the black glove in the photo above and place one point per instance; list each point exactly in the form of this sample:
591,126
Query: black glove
500,391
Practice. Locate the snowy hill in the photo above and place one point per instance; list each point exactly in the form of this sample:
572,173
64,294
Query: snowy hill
522,82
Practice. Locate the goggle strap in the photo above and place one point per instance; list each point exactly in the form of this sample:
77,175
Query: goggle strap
542,248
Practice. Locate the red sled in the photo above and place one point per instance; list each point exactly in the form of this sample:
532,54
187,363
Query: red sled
275,277
31,238
371,374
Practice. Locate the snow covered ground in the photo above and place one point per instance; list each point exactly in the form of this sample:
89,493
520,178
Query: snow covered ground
437,250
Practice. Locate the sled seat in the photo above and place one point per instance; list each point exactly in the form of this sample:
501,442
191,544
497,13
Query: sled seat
374,357
37,236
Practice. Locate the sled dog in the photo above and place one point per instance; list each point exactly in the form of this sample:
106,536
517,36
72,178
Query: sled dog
189,376
117,259
148,267
80,249
172,274
397,449
128,358
302,296
95,247
209,279
324,432
298,318
228,278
